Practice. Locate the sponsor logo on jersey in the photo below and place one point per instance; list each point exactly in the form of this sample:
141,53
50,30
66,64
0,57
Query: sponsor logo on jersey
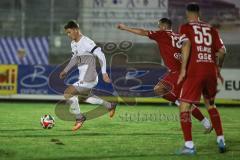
178,56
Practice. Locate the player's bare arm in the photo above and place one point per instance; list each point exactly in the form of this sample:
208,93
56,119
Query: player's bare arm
221,56
71,63
185,56
220,60
138,31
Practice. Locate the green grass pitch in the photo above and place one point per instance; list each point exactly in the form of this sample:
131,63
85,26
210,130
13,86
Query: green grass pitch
135,133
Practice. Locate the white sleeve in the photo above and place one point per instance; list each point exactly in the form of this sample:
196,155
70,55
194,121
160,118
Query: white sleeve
101,57
88,44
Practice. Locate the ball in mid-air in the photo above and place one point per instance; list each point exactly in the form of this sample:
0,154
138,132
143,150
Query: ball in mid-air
47,121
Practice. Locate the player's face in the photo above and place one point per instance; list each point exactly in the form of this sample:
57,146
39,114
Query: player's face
72,33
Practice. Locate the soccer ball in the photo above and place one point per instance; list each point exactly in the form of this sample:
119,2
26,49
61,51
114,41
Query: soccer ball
47,121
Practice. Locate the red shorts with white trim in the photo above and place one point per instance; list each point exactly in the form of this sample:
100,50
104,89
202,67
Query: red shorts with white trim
194,86
170,82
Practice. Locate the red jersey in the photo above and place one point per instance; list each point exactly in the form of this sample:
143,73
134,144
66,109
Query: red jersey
205,43
169,46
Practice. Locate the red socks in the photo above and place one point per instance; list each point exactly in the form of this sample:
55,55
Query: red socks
216,121
197,113
186,124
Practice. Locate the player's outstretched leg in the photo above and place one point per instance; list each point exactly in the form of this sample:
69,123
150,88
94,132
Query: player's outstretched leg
109,105
217,124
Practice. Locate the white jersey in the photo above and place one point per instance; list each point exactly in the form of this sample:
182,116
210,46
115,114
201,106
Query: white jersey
84,52
82,47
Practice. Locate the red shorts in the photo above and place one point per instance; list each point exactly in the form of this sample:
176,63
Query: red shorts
170,82
194,87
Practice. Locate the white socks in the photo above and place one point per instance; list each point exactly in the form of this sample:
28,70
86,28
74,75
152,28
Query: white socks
205,122
220,138
74,106
94,100
97,100
177,103
189,144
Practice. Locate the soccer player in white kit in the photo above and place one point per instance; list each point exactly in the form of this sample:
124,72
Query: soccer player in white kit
84,52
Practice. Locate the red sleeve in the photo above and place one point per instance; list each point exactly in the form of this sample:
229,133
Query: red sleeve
153,35
158,36
183,30
218,43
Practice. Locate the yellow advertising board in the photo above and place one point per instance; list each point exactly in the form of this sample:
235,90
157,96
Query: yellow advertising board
8,79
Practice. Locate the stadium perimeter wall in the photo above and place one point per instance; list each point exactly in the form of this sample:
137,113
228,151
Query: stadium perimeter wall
41,82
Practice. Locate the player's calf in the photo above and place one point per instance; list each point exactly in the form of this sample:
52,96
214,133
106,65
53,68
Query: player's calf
201,118
217,124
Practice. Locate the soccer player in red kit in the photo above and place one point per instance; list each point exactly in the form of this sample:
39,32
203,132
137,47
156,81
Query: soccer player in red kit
170,48
199,70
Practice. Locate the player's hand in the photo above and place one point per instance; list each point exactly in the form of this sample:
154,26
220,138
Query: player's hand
181,76
62,75
121,26
106,78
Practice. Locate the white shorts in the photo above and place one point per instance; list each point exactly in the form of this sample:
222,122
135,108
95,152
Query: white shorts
84,86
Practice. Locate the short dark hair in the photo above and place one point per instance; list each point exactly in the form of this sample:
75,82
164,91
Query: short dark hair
166,21
193,7
72,25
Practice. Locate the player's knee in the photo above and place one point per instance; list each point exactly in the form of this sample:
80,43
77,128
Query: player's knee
155,89
70,92
211,107
212,102
184,107
67,95
160,90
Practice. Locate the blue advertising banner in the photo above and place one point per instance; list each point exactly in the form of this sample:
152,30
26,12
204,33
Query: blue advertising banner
34,79
126,81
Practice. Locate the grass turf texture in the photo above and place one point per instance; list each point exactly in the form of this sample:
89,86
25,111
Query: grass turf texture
139,132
